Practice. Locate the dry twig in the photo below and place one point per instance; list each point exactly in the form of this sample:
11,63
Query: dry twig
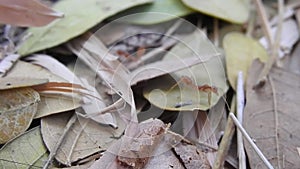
246,135
52,154
274,43
240,109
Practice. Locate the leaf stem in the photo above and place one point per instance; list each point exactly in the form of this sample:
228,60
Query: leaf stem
276,121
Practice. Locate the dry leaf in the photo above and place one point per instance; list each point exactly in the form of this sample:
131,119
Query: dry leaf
26,151
93,101
163,158
83,166
50,104
26,13
174,93
115,75
170,151
54,66
160,68
271,117
135,152
18,107
293,63
85,138
17,82
289,36
191,157
7,63
196,126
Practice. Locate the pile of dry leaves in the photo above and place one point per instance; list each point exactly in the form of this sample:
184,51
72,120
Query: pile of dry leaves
149,84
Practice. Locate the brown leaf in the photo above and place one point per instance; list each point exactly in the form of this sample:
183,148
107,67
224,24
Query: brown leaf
135,152
162,150
293,63
192,157
50,103
17,82
85,138
163,158
107,66
272,117
94,101
197,126
148,147
26,13
17,109
160,68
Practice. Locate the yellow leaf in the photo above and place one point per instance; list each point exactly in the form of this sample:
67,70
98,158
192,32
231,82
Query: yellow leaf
240,52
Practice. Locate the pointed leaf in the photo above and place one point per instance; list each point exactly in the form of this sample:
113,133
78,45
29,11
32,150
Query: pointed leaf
26,13
79,17
26,150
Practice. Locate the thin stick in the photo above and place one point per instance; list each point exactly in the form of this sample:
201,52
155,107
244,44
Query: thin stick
226,140
240,109
256,149
276,121
251,23
224,145
52,154
113,107
7,63
172,29
265,23
275,46
167,44
293,4
216,32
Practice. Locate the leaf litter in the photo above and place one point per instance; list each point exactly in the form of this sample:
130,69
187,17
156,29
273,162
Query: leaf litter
88,108
275,118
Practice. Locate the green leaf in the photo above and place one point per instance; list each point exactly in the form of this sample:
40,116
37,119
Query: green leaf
171,93
26,150
236,11
79,17
157,12
240,52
